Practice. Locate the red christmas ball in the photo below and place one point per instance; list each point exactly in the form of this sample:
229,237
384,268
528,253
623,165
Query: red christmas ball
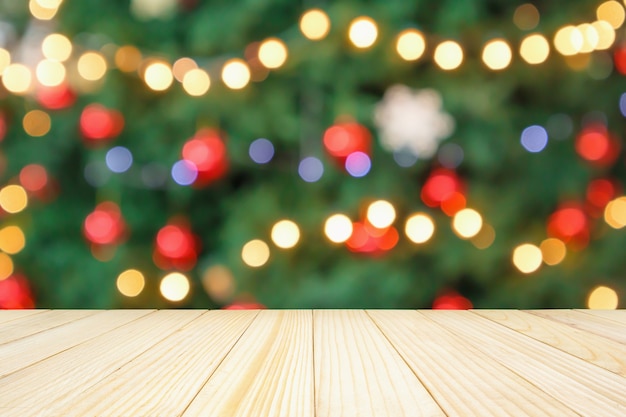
452,301
597,145
56,98
176,247
15,293
206,150
443,188
570,224
105,225
343,139
99,124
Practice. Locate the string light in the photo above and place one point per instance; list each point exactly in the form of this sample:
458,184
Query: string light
611,12
602,298
553,251
50,73
273,53
381,214
527,258
40,12
13,199
92,66
315,24
174,287
338,228
182,66
590,37
17,79
12,240
6,266
568,40
158,76
615,213
255,253
131,283
196,82
285,234
534,49
606,34
419,228
235,74
410,45
56,46
497,54
128,58
448,55
363,32
36,123
467,223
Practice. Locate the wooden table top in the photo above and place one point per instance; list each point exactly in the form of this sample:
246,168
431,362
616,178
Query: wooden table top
321,363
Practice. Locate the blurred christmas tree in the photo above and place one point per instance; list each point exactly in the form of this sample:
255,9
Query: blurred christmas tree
364,154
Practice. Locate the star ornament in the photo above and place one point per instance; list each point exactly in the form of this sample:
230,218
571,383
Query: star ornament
412,121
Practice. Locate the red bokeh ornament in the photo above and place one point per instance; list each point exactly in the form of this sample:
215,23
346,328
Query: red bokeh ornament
597,145
56,98
368,239
3,126
444,189
599,193
206,150
176,247
570,224
343,139
99,124
105,225
15,293
452,301
619,57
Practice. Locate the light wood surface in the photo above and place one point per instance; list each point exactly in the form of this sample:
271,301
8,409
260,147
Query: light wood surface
312,363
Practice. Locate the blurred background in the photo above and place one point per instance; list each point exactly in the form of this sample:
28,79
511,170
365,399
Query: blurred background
346,154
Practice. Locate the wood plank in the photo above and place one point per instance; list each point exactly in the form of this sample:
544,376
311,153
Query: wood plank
269,372
463,380
24,352
35,323
37,389
615,315
359,373
587,322
163,380
586,388
600,351
9,315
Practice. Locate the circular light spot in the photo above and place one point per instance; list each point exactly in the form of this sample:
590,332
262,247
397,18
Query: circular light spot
6,266
50,73
219,283
497,54
381,214
534,138
119,159
358,164
57,47
602,298
590,37
273,53
12,240
448,55
131,283
534,49
485,237
255,253
92,66
615,213
128,58
611,12
568,40
184,172
36,123
467,223
606,34
526,17
404,158
315,24
40,12
5,59
196,82
33,177
158,76
13,199
261,151
419,228
285,234
17,78
410,45
182,66
527,258
338,228
553,251
174,286
363,32
311,169
235,74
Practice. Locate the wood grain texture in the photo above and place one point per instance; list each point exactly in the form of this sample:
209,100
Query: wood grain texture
600,351
36,323
10,315
358,372
462,379
269,372
586,388
591,323
613,315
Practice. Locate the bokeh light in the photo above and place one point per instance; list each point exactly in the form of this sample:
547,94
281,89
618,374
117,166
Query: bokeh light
13,198
615,213
602,298
273,53
92,66
97,123
553,251
568,40
128,58
255,253
363,32
381,214
311,169
130,283
534,138
176,246
590,37
12,239
5,59
17,79
182,66
606,34
104,225
611,12
419,228
467,222
568,222
261,151
153,9
36,123
219,283
315,24
526,17
527,258
235,74
358,164
596,145
410,44
184,172
534,49
40,12
448,55
158,76
338,228
33,177
6,266
50,73
119,159
196,82
485,237
207,151
175,287
285,234
497,54
450,155
56,46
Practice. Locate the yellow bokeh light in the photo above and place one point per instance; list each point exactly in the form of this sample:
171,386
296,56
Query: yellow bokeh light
13,198
363,32
131,283
602,298
448,55
381,214
497,54
485,237
606,34
568,40
273,53
6,266
49,4
56,46
40,12
219,283
410,45
255,253
315,24
36,123
527,258
92,66
467,223
158,76
50,73
615,213
12,240
196,82
553,251
182,66
590,37
338,228
17,78
174,286
285,234
419,228
5,59
611,12
534,49
526,17
128,58
235,74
